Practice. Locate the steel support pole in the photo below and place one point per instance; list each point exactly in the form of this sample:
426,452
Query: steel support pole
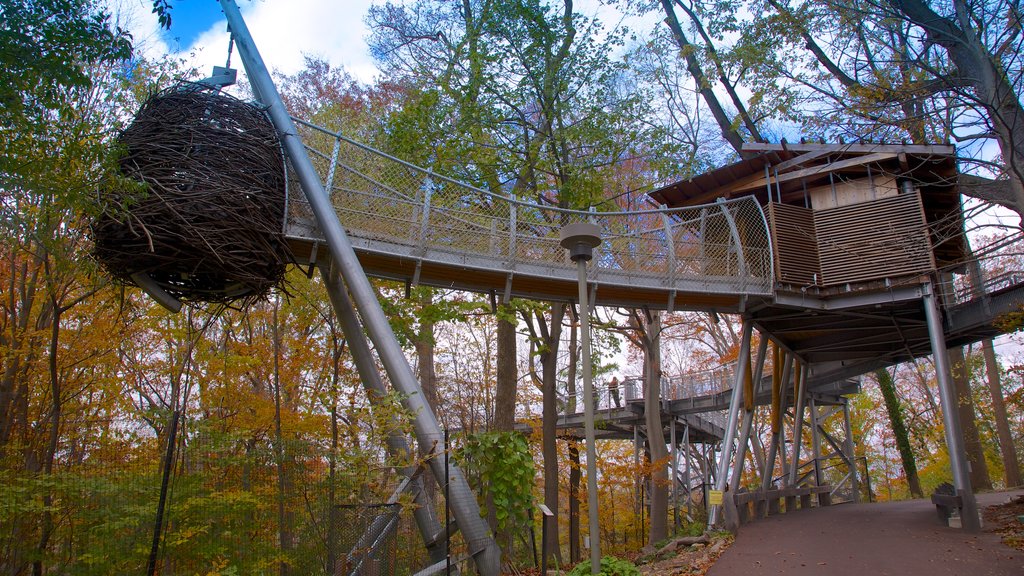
788,379
731,424
675,474
689,487
740,458
812,408
748,418
588,418
954,434
481,545
777,445
851,454
823,499
799,388
398,447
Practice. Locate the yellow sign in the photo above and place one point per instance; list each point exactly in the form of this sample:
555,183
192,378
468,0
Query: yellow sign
715,497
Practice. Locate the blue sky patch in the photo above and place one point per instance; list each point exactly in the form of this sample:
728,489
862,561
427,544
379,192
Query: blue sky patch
190,18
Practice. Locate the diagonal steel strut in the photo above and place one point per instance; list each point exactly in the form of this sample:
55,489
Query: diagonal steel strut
482,546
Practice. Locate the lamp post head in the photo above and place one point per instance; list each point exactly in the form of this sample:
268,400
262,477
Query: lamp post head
580,239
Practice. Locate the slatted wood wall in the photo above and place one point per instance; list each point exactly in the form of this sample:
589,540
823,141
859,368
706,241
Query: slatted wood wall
873,240
795,243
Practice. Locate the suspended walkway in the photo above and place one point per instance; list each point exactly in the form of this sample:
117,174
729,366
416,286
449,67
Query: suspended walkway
409,224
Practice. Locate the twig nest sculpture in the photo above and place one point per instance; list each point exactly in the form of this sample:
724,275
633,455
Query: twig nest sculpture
206,223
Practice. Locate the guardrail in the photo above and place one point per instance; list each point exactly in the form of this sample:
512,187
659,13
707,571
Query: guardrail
395,207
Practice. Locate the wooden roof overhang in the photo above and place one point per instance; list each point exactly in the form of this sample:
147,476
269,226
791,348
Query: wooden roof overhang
786,171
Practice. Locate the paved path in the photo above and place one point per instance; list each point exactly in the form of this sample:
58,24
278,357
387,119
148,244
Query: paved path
895,538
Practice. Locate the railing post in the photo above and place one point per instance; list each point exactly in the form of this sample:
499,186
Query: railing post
425,219
735,232
329,182
513,233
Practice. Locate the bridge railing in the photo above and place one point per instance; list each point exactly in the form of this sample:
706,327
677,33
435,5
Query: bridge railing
690,385
999,262
391,206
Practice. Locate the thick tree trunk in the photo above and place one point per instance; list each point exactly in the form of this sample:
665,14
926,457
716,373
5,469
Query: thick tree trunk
46,530
575,476
423,344
1011,466
656,439
574,501
980,479
507,377
899,431
504,405
549,362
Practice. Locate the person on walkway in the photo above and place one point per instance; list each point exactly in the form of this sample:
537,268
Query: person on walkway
613,391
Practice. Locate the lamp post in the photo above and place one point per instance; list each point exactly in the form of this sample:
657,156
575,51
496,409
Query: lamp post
580,239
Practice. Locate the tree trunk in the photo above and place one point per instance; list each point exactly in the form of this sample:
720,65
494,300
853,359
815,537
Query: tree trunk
423,343
574,501
283,482
899,431
980,479
549,361
507,377
655,430
574,451
1011,466
46,531
688,51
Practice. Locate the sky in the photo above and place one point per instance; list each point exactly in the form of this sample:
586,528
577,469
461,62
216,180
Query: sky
284,31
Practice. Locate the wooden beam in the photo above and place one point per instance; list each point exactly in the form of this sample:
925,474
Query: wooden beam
802,159
852,148
823,169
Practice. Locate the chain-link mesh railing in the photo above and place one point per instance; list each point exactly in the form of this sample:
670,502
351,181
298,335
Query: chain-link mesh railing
232,506
996,264
391,206
367,533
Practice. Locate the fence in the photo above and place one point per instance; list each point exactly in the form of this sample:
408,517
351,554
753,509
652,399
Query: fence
390,206
234,505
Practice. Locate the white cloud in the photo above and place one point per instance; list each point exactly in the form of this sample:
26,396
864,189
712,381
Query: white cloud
284,31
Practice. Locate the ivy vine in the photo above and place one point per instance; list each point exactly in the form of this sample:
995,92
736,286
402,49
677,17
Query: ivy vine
505,467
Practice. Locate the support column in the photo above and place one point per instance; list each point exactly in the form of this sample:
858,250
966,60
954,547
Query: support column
798,422
781,371
851,453
788,380
733,420
954,434
675,475
740,458
748,417
398,447
480,543
823,499
689,487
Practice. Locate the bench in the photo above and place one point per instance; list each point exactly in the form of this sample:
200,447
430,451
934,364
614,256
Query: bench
767,502
945,504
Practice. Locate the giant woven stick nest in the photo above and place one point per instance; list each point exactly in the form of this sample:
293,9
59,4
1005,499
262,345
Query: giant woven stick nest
206,225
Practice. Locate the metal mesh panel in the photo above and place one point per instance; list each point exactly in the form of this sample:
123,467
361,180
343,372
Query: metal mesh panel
394,207
367,533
